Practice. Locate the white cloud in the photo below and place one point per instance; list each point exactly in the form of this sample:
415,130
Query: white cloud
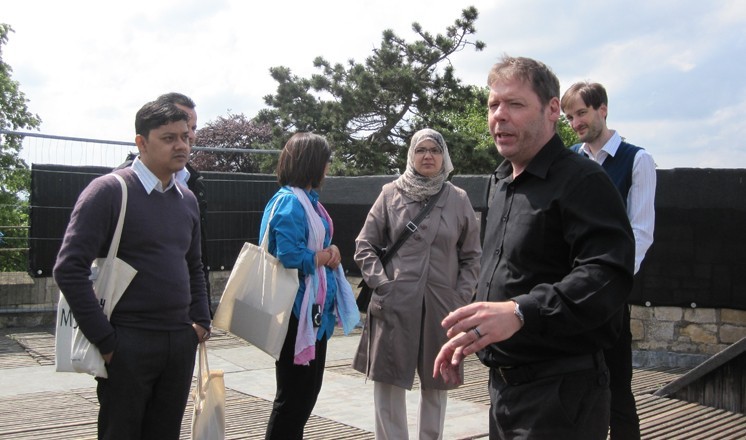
673,69
712,142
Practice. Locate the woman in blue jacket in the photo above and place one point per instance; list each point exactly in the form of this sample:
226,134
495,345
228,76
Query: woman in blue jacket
300,236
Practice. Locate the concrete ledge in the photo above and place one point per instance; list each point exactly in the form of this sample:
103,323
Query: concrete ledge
665,359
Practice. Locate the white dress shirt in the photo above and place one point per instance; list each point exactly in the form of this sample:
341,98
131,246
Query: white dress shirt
149,181
641,196
183,176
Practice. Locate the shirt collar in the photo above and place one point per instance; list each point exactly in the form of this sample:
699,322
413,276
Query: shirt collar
609,149
183,176
540,164
313,196
149,181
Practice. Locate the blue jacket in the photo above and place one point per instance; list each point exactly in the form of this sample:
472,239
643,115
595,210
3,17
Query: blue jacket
288,241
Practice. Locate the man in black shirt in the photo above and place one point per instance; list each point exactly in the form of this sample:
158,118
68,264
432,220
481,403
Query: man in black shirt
557,267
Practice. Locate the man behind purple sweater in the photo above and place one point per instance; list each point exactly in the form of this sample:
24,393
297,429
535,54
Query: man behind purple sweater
149,344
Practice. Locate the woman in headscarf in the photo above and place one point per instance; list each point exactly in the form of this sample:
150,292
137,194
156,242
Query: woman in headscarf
434,272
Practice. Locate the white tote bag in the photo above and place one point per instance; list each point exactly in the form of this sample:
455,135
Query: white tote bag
208,416
63,336
110,276
258,298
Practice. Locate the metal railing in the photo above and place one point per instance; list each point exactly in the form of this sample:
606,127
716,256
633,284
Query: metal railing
132,144
38,148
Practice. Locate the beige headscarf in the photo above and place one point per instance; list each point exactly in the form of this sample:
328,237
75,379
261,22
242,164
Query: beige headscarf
415,185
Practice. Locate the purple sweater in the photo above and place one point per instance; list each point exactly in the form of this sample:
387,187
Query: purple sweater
160,239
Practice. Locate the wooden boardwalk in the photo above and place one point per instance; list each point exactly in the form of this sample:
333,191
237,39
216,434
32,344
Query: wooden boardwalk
72,414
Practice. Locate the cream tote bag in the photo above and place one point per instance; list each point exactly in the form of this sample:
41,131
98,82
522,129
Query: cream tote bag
258,297
208,416
110,276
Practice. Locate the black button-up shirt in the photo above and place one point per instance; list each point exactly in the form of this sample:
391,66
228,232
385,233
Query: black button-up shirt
558,242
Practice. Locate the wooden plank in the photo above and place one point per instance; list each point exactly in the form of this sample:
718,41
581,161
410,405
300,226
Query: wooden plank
665,419
647,381
707,426
729,353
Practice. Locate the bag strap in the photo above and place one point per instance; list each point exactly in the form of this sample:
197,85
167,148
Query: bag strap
265,237
411,227
203,372
114,247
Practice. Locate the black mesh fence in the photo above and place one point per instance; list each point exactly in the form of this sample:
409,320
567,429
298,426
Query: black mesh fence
698,258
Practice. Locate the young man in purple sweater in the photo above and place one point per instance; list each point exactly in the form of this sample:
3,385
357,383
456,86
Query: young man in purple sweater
149,344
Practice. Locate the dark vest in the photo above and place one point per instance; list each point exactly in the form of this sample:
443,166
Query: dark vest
619,166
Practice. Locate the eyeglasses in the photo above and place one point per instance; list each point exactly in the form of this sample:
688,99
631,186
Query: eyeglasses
420,151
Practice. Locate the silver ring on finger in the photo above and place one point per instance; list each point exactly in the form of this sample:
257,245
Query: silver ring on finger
476,332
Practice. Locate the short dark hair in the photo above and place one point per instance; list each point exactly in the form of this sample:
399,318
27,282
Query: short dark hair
303,160
156,113
592,94
541,78
177,98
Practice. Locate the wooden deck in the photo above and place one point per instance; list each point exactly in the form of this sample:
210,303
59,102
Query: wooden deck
72,414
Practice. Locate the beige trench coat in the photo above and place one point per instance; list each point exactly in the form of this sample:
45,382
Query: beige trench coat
432,274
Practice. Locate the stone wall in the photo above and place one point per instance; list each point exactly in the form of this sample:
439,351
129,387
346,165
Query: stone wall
26,301
32,302
675,336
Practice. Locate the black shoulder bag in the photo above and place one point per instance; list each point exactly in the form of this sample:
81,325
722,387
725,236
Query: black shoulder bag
385,254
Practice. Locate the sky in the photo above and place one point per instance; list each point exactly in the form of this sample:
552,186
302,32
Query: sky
675,70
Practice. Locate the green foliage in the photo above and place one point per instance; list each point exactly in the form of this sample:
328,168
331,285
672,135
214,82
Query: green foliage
15,177
368,111
566,133
467,134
